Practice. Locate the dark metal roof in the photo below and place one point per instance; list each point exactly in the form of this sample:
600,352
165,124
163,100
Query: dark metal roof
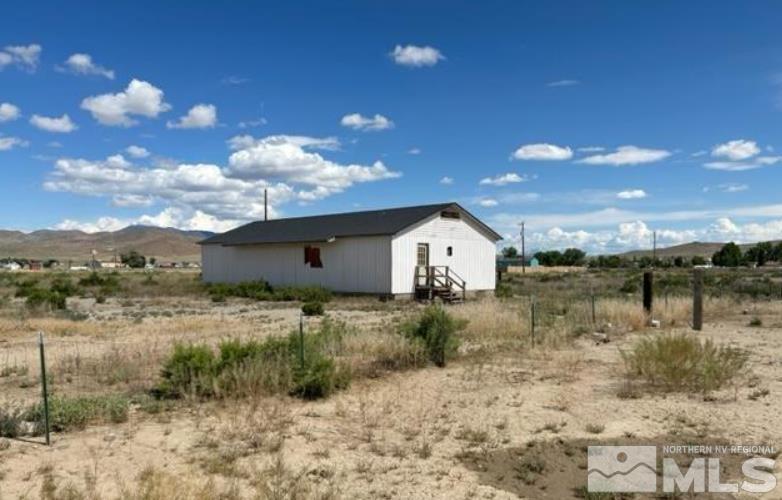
324,227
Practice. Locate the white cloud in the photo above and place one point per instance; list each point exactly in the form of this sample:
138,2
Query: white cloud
737,150
137,151
201,195
488,202
9,143
357,121
503,180
563,83
740,166
414,151
139,98
446,180
627,155
100,225
290,158
415,56
199,116
8,112
591,149
543,151
252,123
61,125
728,187
702,152
24,57
82,64
631,194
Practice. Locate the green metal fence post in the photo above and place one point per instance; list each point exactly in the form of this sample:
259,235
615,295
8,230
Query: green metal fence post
44,389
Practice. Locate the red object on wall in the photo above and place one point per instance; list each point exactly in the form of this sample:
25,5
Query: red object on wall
312,256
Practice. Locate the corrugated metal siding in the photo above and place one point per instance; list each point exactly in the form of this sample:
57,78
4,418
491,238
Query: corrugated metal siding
361,264
473,258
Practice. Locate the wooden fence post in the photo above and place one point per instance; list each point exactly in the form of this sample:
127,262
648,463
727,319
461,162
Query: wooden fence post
648,291
697,299
301,339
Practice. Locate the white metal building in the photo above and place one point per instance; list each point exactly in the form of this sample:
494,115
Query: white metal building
432,249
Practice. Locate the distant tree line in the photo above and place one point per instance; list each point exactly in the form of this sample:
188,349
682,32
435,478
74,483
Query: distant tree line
730,255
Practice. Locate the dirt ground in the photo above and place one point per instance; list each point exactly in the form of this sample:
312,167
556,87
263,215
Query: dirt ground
503,426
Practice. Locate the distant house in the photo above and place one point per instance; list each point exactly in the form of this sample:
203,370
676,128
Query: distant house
11,266
427,250
533,262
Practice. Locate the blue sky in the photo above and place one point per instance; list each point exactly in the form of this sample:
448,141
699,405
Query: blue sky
595,122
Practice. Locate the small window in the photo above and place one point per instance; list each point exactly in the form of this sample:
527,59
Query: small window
449,251
312,256
450,214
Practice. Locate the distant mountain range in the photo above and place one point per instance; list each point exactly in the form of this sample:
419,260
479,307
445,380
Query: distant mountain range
165,244
686,250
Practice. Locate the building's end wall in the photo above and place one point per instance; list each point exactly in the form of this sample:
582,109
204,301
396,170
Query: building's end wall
474,252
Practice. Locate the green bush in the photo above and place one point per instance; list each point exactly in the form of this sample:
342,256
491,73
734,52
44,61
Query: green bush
38,297
503,291
189,370
10,422
630,285
436,330
681,362
312,309
66,414
272,366
261,290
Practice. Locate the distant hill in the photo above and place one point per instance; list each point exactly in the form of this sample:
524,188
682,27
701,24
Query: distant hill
165,244
704,249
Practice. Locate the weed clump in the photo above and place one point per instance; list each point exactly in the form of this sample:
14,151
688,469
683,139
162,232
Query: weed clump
436,330
262,290
301,366
681,362
312,309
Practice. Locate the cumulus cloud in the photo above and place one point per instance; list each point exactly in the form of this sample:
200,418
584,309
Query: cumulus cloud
199,116
208,196
9,143
25,57
503,180
488,202
446,180
737,150
357,121
543,151
82,64
631,194
137,151
100,225
61,125
139,98
291,158
415,56
8,112
627,155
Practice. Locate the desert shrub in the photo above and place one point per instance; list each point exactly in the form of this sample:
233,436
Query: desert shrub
189,370
302,366
312,309
66,414
436,330
630,285
38,297
63,285
681,362
756,321
24,288
503,290
261,290
10,422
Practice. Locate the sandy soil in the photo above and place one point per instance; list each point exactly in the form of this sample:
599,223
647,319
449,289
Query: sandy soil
457,432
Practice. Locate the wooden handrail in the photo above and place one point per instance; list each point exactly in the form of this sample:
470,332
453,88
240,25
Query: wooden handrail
440,276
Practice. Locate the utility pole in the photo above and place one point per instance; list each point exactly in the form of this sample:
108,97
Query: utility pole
523,251
265,205
654,248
